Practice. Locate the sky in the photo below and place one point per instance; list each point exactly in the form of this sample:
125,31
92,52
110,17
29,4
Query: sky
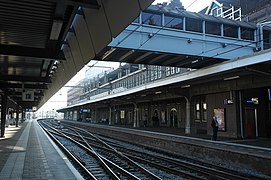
196,6
60,98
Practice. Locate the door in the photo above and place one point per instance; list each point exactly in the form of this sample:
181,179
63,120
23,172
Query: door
173,118
250,124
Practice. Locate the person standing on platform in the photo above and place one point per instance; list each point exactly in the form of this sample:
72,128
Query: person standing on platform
214,125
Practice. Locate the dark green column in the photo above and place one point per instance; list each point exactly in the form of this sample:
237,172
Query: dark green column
3,114
17,116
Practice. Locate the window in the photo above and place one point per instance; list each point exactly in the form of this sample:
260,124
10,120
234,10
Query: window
247,33
230,31
212,28
204,109
172,70
159,72
214,12
173,22
178,70
200,109
144,79
194,25
152,74
151,19
155,69
167,71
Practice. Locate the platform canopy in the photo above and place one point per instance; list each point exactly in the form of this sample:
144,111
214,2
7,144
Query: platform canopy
44,43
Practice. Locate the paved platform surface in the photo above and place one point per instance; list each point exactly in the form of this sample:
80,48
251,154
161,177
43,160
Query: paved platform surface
263,142
26,152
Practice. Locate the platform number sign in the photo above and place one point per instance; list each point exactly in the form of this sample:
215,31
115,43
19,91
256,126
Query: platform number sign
28,96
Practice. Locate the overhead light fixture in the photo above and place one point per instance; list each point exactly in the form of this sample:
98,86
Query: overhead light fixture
56,28
158,92
107,53
195,61
231,78
185,86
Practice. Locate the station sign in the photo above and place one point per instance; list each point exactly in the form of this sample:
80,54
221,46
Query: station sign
252,101
28,95
84,110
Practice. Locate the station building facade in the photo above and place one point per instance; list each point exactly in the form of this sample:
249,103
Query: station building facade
242,103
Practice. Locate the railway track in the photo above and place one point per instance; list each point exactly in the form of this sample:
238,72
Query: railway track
107,158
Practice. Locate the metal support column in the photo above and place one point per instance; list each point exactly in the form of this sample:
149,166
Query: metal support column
23,115
3,114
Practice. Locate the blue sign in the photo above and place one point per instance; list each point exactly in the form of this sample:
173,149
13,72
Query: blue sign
84,110
252,101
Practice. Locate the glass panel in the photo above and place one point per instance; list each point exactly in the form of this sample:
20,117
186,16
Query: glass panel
231,31
155,72
247,33
136,20
197,115
194,25
204,116
204,105
152,19
159,71
172,70
167,71
178,70
266,39
213,28
173,22
197,107
214,12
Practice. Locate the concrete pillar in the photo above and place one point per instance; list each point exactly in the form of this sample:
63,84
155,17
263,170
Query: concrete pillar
187,119
3,114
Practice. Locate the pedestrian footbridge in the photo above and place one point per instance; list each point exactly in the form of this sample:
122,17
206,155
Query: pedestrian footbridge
182,38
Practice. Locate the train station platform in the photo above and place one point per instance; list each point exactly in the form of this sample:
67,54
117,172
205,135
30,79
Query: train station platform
263,142
26,152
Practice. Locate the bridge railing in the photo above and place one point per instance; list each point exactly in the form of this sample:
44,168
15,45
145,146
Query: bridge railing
141,77
189,21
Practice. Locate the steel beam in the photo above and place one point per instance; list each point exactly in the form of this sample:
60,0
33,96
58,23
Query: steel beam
26,86
40,53
25,79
